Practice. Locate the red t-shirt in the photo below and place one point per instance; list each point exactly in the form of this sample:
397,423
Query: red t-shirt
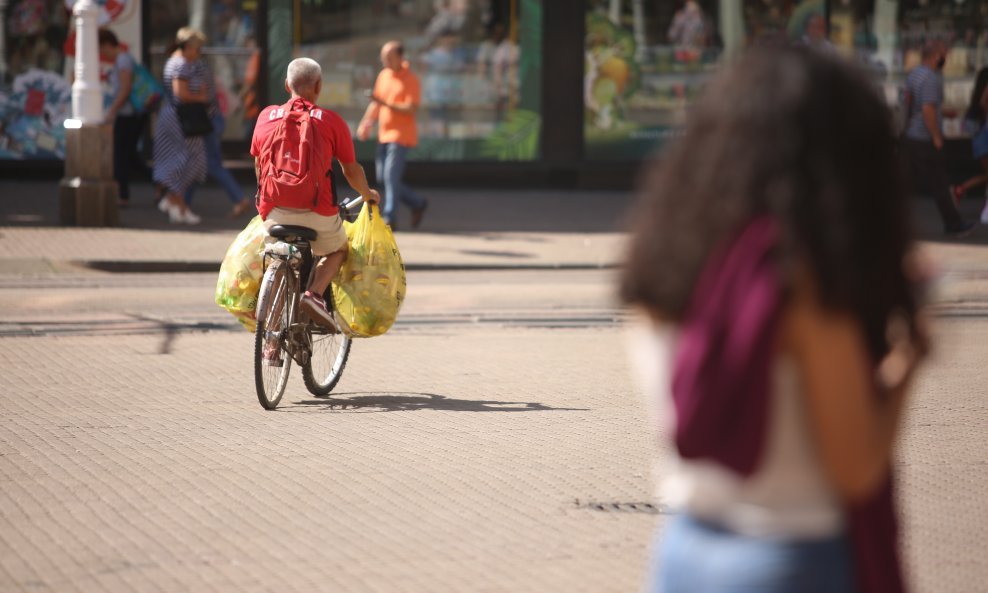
332,138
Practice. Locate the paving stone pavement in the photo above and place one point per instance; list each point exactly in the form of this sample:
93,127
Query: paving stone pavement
447,459
460,456
441,463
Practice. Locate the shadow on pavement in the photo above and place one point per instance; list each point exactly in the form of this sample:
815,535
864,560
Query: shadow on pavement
410,402
34,203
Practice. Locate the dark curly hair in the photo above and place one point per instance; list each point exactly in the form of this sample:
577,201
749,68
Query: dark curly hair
806,138
974,109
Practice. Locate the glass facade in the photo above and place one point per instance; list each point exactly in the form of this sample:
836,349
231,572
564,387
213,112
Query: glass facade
888,35
479,63
231,51
645,62
35,95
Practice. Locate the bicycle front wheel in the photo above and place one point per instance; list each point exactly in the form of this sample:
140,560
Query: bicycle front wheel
325,366
271,361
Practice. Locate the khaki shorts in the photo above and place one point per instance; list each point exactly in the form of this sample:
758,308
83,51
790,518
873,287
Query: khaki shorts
330,236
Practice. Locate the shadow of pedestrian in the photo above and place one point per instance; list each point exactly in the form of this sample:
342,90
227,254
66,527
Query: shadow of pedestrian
410,402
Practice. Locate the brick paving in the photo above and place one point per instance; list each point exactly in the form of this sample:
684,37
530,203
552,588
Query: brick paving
443,462
460,456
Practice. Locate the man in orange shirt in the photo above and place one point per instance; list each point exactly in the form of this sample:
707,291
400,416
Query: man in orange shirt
395,100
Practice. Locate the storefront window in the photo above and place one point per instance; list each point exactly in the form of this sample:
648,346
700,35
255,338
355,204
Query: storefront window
231,52
645,62
479,62
36,60
888,36
35,97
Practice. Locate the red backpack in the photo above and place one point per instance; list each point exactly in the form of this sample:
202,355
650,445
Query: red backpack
286,162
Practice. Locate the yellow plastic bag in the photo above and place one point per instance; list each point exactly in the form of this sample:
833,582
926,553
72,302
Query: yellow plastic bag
240,275
370,286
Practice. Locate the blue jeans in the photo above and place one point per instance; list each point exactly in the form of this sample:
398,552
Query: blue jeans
390,168
214,164
695,557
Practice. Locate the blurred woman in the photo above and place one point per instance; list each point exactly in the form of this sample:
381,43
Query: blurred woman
781,330
179,160
214,157
128,123
977,121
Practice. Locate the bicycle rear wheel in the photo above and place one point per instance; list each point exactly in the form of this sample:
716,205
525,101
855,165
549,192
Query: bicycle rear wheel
273,316
325,366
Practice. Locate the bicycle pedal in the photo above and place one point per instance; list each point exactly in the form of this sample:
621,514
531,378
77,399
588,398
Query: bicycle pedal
274,363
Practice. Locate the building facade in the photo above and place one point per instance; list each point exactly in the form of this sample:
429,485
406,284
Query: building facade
514,91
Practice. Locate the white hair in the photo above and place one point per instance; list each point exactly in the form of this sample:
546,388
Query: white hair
303,74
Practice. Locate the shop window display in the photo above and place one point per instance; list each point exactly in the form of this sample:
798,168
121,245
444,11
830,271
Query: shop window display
645,62
231,53
35,98
479,62
36,69
888,35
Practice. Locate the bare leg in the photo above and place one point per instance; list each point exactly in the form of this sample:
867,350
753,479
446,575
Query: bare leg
325,270
976,180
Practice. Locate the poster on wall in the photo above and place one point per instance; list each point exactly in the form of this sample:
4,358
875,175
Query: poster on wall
35,92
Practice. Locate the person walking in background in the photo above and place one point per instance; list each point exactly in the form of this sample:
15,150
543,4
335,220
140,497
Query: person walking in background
394,101
780,356
923,142
128,124
976,119
214,157
180,161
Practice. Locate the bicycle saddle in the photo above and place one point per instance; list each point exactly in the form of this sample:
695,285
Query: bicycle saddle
285,231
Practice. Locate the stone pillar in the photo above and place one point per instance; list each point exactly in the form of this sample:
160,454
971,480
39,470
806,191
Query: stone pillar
87,193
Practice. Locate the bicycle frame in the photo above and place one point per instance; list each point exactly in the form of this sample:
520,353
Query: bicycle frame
293,339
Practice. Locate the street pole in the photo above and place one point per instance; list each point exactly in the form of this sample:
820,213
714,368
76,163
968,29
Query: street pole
87,98
87,193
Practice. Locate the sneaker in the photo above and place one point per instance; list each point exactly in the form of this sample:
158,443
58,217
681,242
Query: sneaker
174,212
315,307
190,217
178,216
418,213
961,231
271,355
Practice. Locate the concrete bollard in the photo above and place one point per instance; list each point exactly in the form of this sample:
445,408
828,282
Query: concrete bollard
88,194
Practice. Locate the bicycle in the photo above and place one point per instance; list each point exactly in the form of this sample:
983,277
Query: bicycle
284,336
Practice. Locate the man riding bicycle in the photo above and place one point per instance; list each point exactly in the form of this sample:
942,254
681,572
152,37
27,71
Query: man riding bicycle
293,147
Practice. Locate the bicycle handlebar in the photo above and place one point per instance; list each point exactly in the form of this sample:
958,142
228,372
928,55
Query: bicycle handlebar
352,204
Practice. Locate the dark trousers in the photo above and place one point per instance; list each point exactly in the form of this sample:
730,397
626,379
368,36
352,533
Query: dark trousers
927,169
127,131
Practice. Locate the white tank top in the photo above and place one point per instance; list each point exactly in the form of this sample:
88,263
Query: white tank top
786,497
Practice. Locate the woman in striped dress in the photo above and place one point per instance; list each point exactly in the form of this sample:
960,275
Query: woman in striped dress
180,161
